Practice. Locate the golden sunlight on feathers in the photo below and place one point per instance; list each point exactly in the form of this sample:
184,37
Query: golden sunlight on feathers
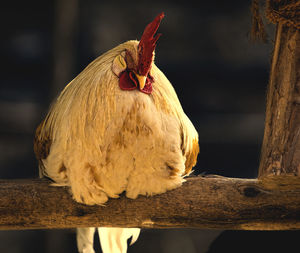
101,137
101,140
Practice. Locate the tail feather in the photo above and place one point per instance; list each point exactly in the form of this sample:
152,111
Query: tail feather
85,240
114,240
135,235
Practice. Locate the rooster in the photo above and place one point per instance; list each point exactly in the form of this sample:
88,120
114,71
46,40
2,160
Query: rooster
117,127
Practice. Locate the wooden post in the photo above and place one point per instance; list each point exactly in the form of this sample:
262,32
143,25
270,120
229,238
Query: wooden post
280,157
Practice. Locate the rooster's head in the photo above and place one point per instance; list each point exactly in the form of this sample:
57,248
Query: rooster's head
133,65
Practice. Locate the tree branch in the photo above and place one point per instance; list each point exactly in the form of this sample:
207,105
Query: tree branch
214,203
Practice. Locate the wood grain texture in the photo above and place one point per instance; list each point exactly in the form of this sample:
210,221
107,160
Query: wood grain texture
214,203
280,155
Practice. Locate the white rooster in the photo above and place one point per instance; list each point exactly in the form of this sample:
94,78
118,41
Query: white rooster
117,127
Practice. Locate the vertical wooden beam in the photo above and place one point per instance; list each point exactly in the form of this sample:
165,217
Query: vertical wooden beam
280,157
65,22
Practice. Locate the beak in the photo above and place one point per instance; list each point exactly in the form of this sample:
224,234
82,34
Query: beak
142,80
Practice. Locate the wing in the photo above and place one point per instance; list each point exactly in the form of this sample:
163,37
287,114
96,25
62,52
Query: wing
165,96
41,146
189,144
79,126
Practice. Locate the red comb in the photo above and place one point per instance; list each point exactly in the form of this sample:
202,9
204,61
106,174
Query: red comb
147,45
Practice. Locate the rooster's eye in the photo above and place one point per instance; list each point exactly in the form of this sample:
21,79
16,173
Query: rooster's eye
140,50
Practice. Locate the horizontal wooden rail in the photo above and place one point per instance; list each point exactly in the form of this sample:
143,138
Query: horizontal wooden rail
202,202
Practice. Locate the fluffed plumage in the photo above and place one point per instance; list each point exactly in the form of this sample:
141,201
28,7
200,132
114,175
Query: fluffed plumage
102,139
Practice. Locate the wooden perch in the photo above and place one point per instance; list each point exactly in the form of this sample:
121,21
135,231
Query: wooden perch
202,202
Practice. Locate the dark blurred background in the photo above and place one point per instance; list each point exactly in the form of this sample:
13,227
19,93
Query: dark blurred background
219,75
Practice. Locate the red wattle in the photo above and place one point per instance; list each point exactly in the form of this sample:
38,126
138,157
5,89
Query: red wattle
125,82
